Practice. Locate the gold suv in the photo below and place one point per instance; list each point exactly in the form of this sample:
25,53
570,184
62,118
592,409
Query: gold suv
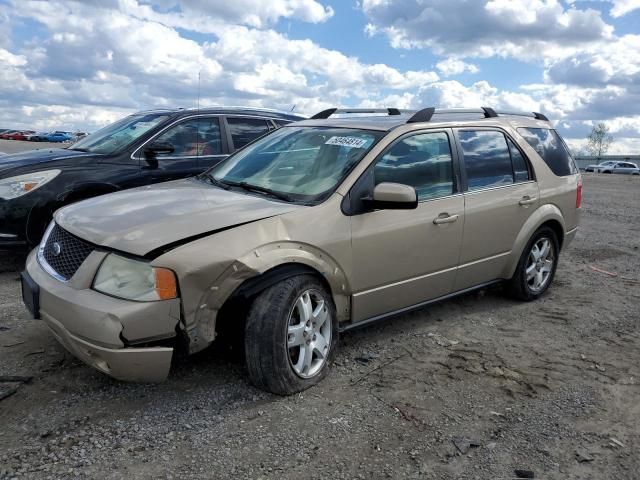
315,228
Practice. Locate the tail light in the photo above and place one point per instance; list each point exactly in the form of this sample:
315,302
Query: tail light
579,193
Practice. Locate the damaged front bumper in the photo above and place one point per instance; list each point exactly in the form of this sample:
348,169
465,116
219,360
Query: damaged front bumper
102,331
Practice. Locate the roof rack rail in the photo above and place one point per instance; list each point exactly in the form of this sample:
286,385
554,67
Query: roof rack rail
536,115
426,114
331,111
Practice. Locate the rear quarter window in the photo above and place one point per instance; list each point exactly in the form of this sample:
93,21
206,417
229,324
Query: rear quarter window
551,148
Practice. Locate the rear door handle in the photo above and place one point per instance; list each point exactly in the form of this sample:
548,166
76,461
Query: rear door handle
445,218
527,200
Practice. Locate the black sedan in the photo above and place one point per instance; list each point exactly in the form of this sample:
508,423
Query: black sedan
144,148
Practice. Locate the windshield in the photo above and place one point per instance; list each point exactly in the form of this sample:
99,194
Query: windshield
296,163
120,134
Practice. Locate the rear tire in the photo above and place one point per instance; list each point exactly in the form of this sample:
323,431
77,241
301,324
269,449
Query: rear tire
536,267
291,335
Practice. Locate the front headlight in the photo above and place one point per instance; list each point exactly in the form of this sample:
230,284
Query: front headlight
134,280
14,187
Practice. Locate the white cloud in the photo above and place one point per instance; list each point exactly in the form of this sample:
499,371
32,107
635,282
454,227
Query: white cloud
453,94
483,28
196,14
622,7
101,59
455,66
110,57
616,62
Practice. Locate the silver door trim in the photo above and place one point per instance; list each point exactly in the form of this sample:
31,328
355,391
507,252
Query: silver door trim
402,282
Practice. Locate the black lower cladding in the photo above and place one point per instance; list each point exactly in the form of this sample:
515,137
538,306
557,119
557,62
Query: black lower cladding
30,294
65,252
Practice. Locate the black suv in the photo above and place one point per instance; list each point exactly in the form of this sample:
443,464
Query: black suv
144,148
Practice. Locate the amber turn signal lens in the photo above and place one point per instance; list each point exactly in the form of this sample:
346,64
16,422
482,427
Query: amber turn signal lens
166,286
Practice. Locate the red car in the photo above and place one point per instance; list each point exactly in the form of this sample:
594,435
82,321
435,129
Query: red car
17,135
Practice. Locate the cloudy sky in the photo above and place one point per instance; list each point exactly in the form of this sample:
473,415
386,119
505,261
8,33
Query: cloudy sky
82,64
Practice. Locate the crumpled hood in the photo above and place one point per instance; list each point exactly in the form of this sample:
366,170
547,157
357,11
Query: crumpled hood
32,158
141,220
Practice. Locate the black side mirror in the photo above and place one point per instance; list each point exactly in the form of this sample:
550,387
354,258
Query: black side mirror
156,147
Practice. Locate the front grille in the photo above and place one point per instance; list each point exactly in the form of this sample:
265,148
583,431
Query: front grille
64,253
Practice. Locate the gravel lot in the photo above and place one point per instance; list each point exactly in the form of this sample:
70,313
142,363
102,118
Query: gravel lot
15,146
472,388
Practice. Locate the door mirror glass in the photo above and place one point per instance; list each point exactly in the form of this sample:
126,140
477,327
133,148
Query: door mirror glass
394,196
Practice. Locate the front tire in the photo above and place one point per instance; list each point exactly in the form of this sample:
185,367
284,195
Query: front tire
536,267
291,335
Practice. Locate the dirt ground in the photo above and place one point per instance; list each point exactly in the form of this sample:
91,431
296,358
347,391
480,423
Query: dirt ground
471,388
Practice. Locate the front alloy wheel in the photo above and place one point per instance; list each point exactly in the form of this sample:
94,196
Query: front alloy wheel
291,335
309,334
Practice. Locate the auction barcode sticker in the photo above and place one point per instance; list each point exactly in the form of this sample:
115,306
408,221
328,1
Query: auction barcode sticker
353,142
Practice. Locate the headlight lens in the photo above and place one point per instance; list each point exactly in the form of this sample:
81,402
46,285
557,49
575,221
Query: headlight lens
14,187
134,280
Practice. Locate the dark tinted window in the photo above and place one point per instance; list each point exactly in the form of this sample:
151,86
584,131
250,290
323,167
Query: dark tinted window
422,161
245,130
486,158
520,168
551,148
196,137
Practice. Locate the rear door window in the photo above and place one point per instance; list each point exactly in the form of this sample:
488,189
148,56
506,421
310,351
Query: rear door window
487,158
245,130
548,144
520,167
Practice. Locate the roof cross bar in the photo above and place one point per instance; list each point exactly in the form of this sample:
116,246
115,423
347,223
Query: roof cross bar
331,111
423,115
489,112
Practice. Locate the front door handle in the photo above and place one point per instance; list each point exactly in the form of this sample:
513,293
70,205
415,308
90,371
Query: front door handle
527,200
445,218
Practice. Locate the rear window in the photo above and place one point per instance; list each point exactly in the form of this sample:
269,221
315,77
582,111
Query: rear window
551,148
245,130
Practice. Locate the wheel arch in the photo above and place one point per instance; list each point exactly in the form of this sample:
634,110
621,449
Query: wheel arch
83,191
225,299
546,215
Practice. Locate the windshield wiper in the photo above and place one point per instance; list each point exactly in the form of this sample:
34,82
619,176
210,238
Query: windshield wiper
214,181
256,188
78,149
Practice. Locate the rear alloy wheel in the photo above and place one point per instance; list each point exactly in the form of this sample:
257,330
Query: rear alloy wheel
291,335
537,266
540,264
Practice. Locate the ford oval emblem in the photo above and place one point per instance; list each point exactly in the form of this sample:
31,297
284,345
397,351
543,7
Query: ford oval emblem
56,248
